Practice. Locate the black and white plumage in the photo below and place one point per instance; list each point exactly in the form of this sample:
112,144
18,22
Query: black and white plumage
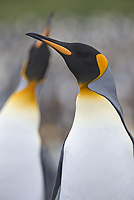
97,160
21,155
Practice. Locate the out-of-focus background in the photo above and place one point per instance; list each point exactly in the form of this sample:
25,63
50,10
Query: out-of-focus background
105,25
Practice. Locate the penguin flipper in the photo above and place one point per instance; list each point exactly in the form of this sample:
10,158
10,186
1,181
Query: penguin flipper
58,177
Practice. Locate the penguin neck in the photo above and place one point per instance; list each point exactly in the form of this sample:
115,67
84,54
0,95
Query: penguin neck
93,109
23,104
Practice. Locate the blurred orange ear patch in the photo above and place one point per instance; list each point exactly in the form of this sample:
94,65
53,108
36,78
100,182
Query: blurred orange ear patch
58,47
23,70
102,64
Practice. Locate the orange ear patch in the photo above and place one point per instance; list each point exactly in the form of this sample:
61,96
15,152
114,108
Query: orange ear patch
102,64
23,70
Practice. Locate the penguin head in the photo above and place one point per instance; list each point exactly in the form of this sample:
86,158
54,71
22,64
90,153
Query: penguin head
34,69
86,63
90,68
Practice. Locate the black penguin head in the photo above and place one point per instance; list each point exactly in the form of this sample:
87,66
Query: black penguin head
34,69
37,62
86,63
82,62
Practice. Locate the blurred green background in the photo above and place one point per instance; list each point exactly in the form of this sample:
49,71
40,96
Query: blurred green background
11,9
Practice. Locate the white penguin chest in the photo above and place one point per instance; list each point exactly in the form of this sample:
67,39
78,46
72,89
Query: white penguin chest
98,155
21,174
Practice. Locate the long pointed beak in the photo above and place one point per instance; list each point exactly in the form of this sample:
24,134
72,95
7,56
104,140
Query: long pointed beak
48,25
57,45
46,31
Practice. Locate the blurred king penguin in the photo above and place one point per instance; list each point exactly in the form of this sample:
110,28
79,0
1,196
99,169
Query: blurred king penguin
97,161
21,166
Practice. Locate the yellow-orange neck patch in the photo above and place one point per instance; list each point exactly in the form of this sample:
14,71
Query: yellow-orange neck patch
25,96
85,92
24,105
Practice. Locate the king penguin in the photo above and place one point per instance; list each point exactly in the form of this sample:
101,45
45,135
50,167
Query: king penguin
21,166
97,161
